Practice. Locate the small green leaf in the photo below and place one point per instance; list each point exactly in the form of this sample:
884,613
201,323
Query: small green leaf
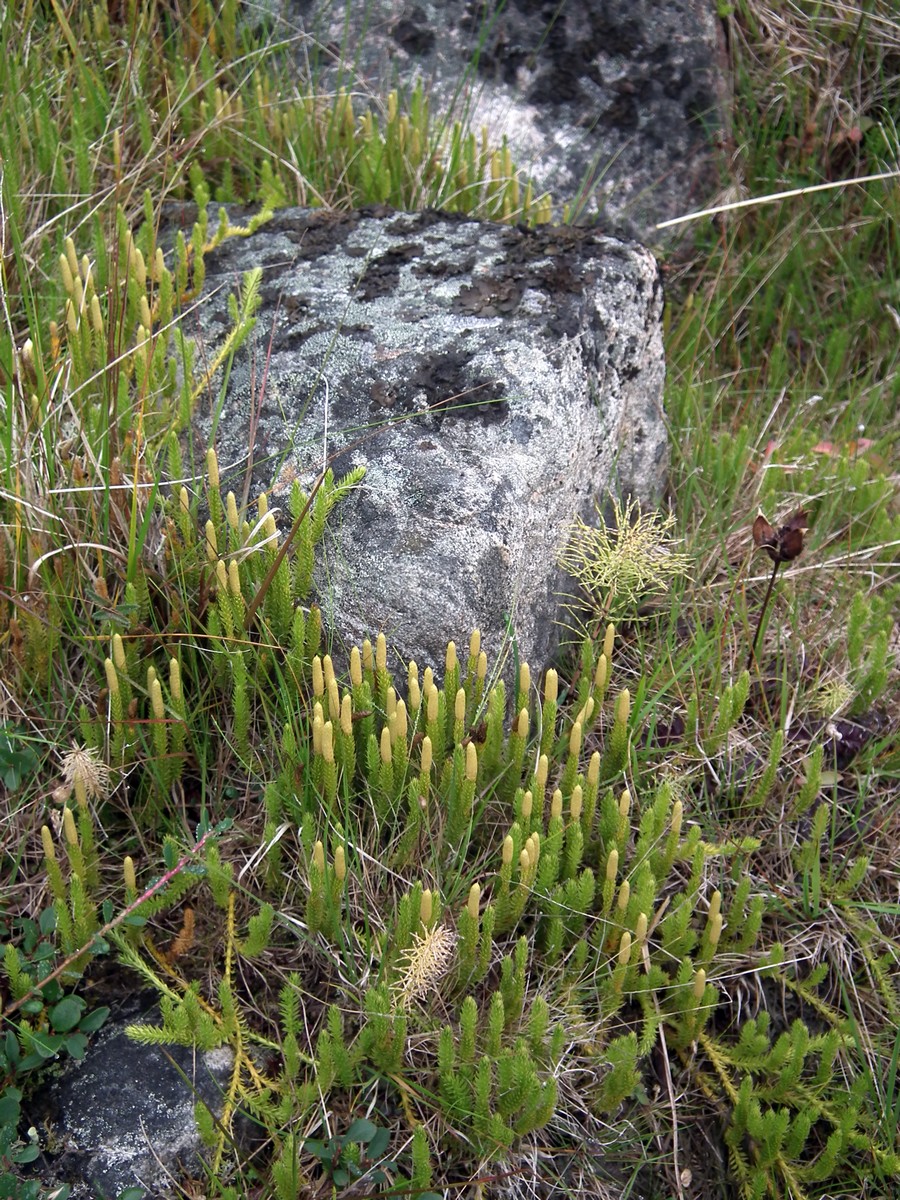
11,1048
76,1044
47,1044
361,1131
378,1143
92,1022
9,1108
66,1015
17,759
29,1062
26,1155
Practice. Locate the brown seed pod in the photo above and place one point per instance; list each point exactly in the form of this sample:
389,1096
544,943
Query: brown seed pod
785,543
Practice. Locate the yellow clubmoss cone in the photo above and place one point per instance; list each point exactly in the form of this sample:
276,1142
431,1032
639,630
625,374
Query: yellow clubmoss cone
328,741
575,804
625,949
356,670
212,469
231,511
318,677
527,805
426,755
47,843
69,829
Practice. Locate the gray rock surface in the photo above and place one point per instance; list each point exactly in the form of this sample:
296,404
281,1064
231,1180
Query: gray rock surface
611,105
124,1116
493,381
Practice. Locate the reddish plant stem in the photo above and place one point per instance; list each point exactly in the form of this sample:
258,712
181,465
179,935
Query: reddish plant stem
109,926
752,655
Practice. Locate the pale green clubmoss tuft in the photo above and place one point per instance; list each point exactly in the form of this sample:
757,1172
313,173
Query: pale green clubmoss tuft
621,564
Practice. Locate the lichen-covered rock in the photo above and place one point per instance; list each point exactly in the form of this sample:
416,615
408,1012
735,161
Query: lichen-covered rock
124,1116
493,381
611,105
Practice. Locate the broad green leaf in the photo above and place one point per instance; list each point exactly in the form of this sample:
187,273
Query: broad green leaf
76,1044
92,1022
66,1015
361,1131
378,1143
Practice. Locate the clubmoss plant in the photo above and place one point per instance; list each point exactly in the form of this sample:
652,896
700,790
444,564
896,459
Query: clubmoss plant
552,906
621,564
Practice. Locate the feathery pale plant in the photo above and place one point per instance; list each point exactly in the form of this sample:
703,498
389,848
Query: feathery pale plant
84,769
424,964
619,565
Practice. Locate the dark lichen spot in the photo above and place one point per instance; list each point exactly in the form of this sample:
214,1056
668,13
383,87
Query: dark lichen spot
411,33
445,268
382,274
314,234
440,387
293,336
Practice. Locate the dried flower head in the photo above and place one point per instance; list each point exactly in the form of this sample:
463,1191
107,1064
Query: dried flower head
782,545
620,564
785,543
424,964
83,765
